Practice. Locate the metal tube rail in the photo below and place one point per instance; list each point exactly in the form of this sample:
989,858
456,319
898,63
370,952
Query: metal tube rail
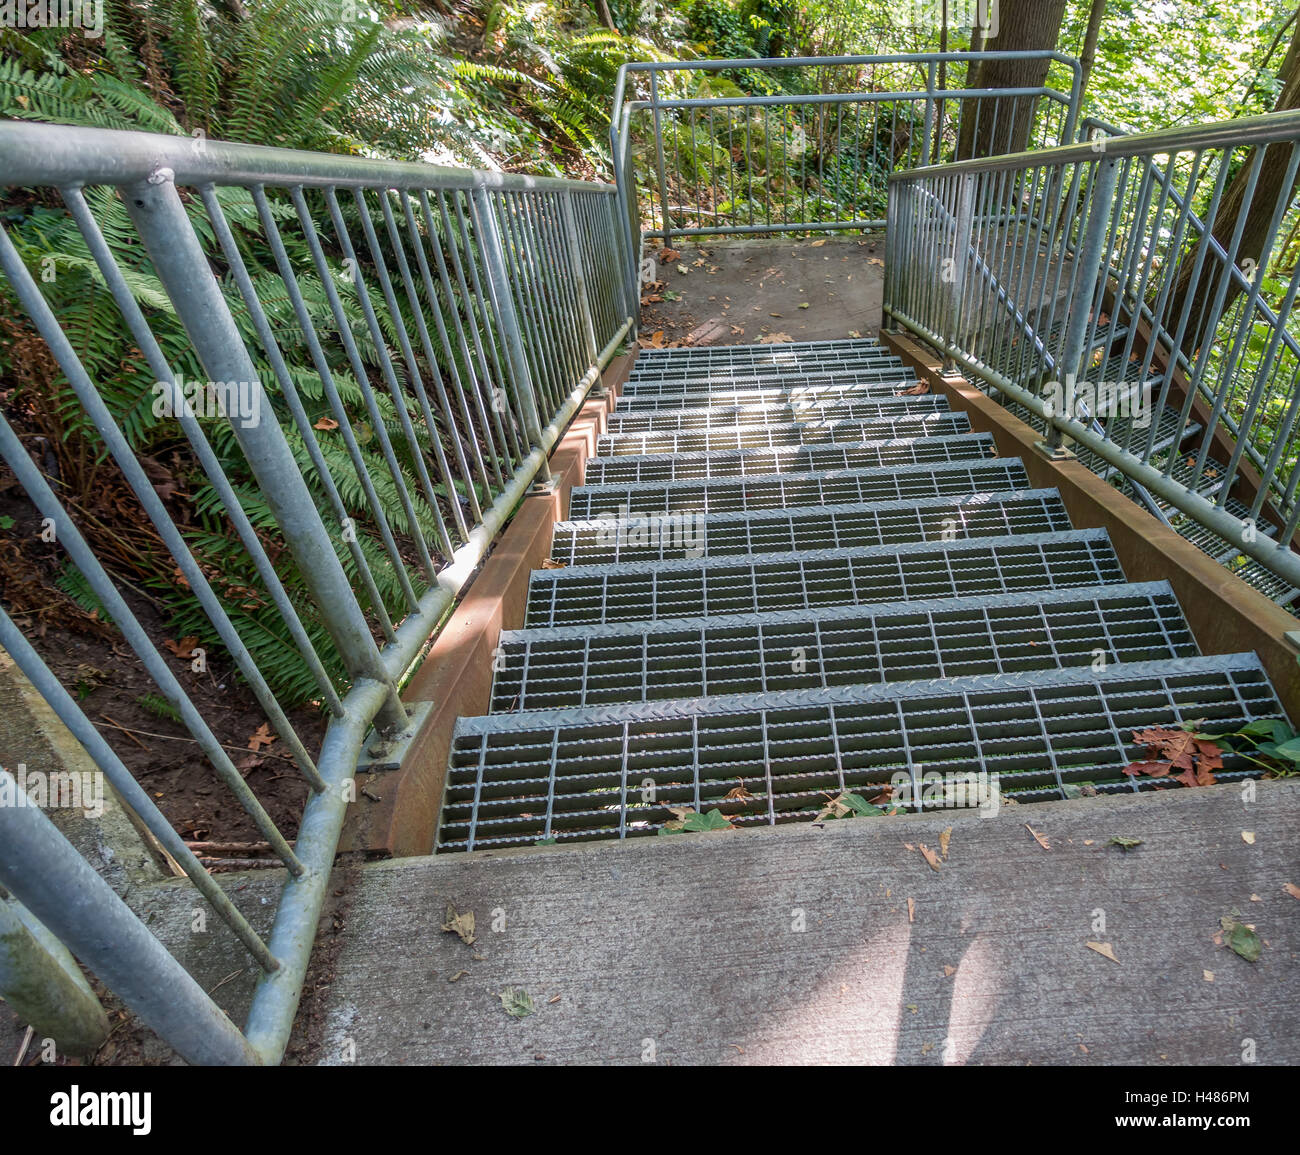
675,114
1118,229
468,324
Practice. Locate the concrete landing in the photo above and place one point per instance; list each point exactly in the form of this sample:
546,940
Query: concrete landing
688,949
742,292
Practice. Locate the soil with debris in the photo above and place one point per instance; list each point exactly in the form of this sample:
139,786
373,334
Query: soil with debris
741,292
99,669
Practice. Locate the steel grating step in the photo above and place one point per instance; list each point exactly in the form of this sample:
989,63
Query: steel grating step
810,379
713,440
759,366
903,451
670,536
838,646
779,491
801,390
711,353
1167,435
973,567
659,420
614,771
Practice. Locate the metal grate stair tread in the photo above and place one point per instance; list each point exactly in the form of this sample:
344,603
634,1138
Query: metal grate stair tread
785,490
839,645
583,543
899,451
768,413
837,387
644,591
614,771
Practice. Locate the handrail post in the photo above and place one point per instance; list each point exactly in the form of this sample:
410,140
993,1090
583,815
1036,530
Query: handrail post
504,303
963,235
928,130
169,238
579,275
1090,268
657,118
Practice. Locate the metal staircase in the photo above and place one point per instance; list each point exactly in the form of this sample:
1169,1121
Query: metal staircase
1171,436
788,577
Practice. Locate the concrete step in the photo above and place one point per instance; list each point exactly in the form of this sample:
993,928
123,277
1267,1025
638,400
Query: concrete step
671,536
801,944
605,772
649,591
901,451
792,490
574,666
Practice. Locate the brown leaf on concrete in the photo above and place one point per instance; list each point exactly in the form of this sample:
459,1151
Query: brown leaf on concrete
460,924
1103,949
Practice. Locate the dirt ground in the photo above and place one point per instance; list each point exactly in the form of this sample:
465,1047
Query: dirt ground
741,292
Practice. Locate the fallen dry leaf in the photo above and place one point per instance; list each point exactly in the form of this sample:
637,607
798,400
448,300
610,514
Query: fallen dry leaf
1169,750
775,339
457,976
1248,837
944,839
1103,949
737,794
326,423
948,972
911,910
182,649
1291,889
929,855
460,924
668,256
818,244
918,390
1041,839
260,737
551,563
1208,976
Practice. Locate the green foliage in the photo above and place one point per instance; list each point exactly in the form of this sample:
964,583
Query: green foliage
159,707
690,823
1269,742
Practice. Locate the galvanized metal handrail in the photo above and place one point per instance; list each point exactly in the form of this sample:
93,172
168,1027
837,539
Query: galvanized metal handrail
1089,128
917,116
411,342
1073,249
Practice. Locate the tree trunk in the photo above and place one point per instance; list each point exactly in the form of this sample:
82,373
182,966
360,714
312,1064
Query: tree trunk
1089,57
992,126
1271,186
604,15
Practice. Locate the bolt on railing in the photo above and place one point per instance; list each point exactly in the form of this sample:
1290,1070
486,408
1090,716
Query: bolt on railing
386,353
1095,295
